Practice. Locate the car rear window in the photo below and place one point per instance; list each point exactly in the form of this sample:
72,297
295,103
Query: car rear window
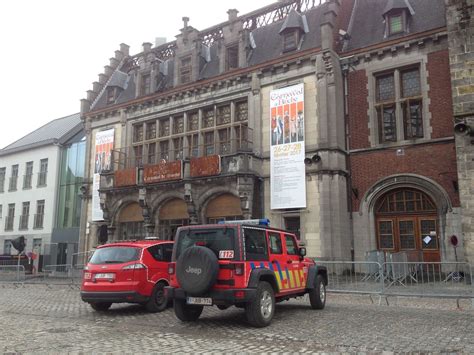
216,239
115,255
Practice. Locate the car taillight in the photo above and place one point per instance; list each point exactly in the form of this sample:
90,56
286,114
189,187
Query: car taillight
171,269
134,267
239,269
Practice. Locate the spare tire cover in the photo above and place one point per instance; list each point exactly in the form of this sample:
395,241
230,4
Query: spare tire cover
196,269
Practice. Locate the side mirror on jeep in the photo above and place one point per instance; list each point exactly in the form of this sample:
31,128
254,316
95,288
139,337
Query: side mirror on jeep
302,251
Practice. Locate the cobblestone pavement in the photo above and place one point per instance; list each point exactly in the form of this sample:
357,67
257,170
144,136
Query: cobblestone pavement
36,318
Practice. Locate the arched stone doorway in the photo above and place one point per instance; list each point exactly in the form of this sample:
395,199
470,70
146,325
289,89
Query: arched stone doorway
172,215
130,222
223,207
406,219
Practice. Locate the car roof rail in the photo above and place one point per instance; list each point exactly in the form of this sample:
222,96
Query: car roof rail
260,222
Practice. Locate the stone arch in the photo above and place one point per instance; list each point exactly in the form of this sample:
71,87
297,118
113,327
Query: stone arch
211,194
157,203
366,240
430,187
118,206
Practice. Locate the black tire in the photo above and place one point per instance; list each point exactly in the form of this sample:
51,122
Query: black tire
317,295
158,301
260,310
196,270
185,312
101,306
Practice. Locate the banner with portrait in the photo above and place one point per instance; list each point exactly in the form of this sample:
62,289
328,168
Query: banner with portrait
104,143
287,153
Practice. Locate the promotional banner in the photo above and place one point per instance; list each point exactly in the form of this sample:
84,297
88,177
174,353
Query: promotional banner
104,143
287,169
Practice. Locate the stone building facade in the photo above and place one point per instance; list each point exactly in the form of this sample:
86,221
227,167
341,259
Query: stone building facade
193,129
460,27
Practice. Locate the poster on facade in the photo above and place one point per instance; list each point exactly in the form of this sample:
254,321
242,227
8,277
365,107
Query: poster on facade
104,143
287,169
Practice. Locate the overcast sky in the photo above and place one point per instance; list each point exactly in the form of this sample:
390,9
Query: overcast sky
52,50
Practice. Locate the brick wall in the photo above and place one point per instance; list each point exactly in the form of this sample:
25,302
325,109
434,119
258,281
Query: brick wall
441,103
434,161
357,105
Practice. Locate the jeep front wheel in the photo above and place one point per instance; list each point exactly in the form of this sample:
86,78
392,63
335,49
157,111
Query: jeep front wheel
260,310
185,312
317,295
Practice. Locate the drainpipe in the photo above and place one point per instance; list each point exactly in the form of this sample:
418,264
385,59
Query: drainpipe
345,71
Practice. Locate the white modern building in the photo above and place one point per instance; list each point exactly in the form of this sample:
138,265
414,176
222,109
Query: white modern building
30,174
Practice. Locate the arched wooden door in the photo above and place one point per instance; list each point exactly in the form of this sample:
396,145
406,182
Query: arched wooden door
225,207
172,215
406,220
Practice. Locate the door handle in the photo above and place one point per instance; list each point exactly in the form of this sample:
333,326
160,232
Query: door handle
289,261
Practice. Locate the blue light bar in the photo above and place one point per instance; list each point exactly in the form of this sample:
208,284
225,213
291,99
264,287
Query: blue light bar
260,222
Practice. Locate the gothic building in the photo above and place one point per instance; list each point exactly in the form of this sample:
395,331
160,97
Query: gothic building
329,122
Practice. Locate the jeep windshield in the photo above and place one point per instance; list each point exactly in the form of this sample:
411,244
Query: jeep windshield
216,239
115,255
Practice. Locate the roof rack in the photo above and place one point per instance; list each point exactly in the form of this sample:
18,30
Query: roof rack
261,222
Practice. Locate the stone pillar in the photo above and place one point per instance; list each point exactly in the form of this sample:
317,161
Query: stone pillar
460,26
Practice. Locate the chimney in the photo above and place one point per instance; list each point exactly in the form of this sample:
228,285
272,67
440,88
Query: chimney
91,95
146,46
125,49
96,86
114,62
103,78
108,70
232,14
85,106
185,22
118,55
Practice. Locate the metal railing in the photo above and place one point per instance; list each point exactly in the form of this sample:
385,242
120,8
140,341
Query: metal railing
401,278
12,273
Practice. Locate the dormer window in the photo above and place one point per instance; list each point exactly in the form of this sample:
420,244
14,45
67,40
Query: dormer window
185,70
111,95
397,15
395,23
290,40
232,57
294,26
145,87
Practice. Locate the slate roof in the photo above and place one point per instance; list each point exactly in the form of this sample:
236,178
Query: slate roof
428,15
364,31
57,131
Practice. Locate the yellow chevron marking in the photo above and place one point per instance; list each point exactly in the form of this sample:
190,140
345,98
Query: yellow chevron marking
277,276
297,278
292,282
302,277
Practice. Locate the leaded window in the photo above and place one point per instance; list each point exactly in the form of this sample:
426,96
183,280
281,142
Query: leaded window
208,118
164,150
185,70
223,115
241,111
178,125
399,107
151,130
164,127
232,57
193,121
138,133
209,143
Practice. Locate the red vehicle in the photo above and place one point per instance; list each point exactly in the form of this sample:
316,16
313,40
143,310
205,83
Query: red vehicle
244,265
128,272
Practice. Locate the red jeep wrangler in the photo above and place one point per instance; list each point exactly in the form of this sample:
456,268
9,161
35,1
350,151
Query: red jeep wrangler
129,271
246,265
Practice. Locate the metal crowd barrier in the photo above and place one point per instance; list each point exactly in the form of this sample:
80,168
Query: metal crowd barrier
401,278
12,273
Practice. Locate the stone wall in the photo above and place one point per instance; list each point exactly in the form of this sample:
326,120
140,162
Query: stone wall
460,25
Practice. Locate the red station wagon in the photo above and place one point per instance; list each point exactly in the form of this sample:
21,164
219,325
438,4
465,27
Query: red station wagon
128,272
